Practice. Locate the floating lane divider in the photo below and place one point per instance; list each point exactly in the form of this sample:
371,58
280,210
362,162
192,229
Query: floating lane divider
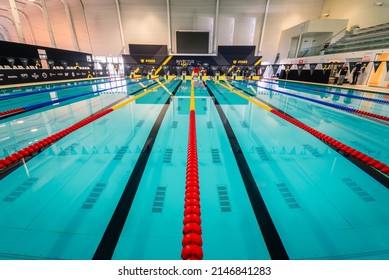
336,106
192,241
165,88
335,144
32,150
16,95
15,111
334,93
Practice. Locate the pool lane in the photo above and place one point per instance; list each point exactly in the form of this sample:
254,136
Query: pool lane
348,92
54,100
323,206
72,188
153,229
363,134
25,99
354,99
24,129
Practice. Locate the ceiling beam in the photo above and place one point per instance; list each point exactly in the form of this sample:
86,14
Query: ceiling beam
18,25
71,24
48,23
123,50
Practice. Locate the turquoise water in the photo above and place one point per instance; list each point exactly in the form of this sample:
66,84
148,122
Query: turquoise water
59,204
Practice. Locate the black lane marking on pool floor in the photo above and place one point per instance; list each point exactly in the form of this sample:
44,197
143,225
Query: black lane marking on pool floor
374,173
269,232
112,233
11,168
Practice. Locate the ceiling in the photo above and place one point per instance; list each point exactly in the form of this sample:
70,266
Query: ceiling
106,27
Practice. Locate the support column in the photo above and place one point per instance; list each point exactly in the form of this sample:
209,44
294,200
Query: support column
17,22
169,28
216,27
263,26
123,50
298,45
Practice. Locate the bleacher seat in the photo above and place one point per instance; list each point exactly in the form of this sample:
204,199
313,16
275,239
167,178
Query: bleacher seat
370,38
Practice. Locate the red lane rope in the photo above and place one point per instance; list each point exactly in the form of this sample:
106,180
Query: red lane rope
380,166
192,241
385,118
40,145
11,112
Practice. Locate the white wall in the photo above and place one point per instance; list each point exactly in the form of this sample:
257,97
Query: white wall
360,12
206,24
284,14
328,27
244,31
187,15
103,27
225,35
144,22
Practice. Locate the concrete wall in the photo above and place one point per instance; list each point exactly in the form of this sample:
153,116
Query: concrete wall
319,30
359,12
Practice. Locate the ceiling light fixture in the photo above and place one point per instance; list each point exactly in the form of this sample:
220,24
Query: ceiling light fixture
379,4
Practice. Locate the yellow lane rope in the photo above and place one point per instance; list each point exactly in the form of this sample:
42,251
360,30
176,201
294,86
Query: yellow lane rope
121,104
256,102
165,88
192,99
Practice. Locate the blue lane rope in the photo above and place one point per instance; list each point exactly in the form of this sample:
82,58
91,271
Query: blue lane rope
334,93
43,104
341,107
16,95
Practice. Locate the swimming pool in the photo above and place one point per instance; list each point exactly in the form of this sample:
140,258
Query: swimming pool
269,189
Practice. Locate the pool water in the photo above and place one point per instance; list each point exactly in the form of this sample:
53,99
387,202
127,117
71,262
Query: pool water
303,196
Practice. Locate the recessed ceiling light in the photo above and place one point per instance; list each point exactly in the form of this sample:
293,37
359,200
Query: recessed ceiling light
20,122
34,130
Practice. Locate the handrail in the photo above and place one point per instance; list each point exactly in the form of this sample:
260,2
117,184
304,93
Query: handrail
333,36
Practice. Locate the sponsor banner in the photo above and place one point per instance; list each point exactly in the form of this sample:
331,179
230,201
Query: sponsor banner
37,75
312,67
275,68
300,68
364,65
339,66
376,65
325,67
263,69
288,67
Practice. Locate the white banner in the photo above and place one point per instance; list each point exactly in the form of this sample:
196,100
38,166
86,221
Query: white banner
150,270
